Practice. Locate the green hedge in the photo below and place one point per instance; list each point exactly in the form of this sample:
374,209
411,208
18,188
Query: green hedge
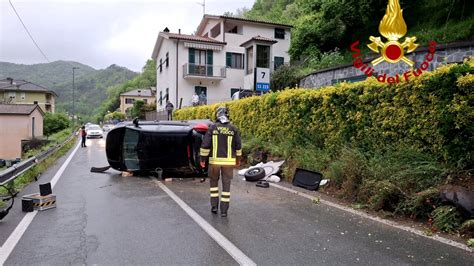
432,114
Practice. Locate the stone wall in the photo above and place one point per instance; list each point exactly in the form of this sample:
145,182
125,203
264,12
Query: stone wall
445,54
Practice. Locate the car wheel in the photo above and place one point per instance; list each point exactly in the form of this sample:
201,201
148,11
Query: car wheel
254,174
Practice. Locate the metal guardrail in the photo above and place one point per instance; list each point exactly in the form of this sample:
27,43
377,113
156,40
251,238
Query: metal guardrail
16,170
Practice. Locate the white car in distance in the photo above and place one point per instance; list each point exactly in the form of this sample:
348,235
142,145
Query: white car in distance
94,131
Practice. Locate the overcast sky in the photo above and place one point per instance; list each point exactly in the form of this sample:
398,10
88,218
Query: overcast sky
98,32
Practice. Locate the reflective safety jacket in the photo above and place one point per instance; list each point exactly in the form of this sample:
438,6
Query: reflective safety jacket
221,144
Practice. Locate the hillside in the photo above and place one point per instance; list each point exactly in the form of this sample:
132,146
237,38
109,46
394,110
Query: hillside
45,75
327,26
90,84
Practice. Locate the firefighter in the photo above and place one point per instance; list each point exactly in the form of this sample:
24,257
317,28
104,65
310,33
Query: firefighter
222,146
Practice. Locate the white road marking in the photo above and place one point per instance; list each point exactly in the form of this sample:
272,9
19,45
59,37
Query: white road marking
233,251
377,219
16,235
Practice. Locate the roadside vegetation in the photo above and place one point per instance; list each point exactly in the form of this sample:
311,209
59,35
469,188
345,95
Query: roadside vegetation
323,30
33,173
386,148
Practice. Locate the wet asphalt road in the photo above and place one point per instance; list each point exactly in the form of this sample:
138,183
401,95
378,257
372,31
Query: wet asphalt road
110,219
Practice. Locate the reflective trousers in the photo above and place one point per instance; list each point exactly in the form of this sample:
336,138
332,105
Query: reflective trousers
215,172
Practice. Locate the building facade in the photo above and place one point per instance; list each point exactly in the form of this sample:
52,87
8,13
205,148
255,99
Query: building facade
19,122
128,98
219,60
14,91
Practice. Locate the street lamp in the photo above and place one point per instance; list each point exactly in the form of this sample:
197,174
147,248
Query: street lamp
73,112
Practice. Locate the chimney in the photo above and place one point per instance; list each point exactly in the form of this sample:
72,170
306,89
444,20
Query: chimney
166,29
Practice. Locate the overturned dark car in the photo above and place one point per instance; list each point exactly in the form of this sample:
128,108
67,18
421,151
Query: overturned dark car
145,147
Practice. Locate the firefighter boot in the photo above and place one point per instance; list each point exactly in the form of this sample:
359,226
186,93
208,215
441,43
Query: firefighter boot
214,199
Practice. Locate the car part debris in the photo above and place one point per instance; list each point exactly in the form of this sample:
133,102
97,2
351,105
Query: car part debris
307,179
254,174
460,197
99,169
263,184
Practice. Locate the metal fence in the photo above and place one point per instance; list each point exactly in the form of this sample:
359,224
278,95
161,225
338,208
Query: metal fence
16,170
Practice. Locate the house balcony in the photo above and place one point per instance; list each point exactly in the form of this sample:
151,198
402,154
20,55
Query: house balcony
192,71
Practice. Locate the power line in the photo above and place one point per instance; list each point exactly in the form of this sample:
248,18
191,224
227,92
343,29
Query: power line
27,31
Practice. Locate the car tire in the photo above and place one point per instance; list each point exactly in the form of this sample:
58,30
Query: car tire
254,174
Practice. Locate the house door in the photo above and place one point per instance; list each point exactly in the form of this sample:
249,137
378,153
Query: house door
202,93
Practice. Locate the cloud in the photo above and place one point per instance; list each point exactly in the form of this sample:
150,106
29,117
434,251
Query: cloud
100,32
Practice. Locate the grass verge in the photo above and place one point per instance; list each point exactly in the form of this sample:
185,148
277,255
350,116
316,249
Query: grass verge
394,181
33,173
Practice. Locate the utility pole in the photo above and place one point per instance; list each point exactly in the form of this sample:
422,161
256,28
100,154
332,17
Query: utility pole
73,111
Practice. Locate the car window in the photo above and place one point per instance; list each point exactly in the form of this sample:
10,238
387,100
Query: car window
94,127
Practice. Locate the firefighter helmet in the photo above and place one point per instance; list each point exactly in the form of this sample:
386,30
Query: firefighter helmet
222,115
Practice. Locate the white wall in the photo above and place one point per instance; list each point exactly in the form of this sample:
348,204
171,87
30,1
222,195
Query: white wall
167,78
217,90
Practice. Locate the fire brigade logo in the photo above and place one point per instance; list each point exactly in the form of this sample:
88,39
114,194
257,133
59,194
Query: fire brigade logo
393,27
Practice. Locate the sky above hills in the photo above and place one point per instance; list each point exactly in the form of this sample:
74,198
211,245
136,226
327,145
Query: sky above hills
97,32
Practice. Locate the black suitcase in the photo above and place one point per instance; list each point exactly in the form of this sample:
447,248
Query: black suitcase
307,179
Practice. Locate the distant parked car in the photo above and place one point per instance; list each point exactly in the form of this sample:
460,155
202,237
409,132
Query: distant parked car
107,127
94,131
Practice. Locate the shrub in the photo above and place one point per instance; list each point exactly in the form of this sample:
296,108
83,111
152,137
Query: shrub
380,195
429,114
284,77
467,229
354,167
53,123
420,205
446,218
470,242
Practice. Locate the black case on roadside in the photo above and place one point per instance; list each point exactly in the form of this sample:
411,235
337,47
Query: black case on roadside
307,179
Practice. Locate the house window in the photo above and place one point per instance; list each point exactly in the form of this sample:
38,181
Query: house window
35,102
129,100
23,95
263,56
161,98
200,62
167,59
161,64
278,61
233,30
167,96
279,33
234,60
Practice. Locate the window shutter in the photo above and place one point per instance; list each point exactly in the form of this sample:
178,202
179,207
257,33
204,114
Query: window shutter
209,62
191,55
228,59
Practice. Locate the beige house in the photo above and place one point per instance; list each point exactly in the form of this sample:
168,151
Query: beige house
18,122
13,91
128,98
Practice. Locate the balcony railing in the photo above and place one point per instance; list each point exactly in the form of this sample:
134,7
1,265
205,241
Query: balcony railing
209,71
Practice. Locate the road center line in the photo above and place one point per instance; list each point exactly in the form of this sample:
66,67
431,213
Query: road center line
16,235
377,219
233,251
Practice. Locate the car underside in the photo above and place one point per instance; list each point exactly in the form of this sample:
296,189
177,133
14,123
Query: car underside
144,147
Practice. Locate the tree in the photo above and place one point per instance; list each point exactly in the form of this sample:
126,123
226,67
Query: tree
53,123
284,77
137,109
